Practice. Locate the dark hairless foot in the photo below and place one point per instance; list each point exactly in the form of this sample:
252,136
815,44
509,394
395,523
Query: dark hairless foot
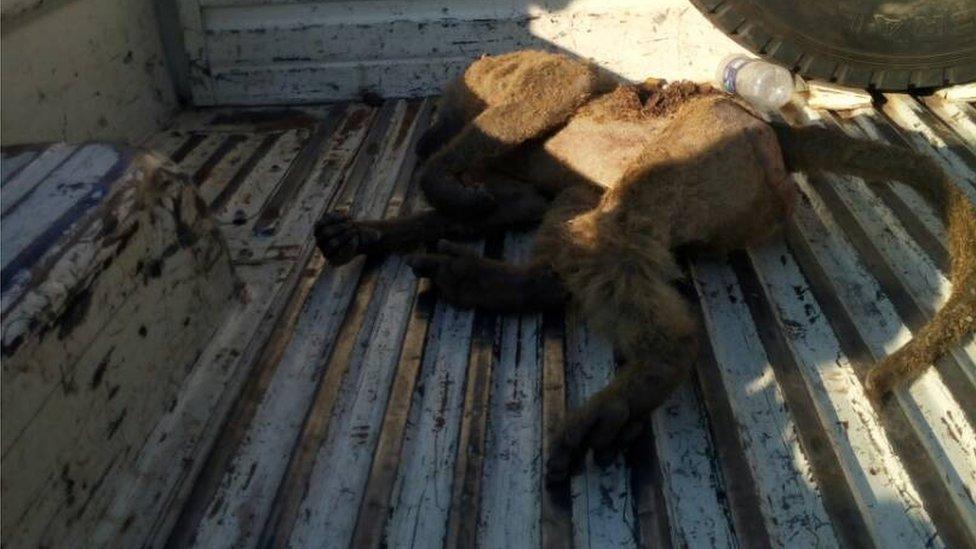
468,280
340,238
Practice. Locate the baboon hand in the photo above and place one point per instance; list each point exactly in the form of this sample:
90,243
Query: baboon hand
607,423
455,272
340,238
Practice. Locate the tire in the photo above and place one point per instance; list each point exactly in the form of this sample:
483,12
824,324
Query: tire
877,44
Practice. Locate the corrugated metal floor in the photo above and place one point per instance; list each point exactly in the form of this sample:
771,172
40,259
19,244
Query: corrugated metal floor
380,415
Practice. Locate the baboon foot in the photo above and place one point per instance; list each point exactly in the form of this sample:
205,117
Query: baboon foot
340,238
468,280
607,423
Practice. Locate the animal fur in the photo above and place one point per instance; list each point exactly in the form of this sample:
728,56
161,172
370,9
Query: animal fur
619,177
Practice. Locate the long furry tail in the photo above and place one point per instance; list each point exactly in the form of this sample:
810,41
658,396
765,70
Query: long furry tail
813,148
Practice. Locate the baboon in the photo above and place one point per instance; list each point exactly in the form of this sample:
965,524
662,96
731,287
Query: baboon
619,179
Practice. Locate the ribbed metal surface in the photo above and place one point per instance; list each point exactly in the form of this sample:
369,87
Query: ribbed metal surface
388,417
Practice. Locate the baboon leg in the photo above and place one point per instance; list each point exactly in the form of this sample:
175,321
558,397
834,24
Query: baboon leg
341,238
549,100
610,420
468,280
456,108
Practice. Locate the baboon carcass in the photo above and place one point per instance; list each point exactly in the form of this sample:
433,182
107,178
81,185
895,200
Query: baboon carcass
619,178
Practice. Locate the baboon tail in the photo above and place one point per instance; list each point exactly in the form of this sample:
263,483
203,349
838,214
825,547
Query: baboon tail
813,148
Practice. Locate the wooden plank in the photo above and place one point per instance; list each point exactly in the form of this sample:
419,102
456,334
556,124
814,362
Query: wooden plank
822,95
13,161
336,486
240,207
792,504
914,212
291,52
814,421
166,143
78,181
293,227
193,154
862,124
330,173
557,513
959,116
243,172
741,488
248,486
422,491
907,274
929,408
288,500
211,178
462,520
79,434
194,139
510,503
647,483
185,433
691,481
278,203
343,41
915,284
247,492
375,507
193,429
263,85
960,92
911,110
882,489
603,504
27,179
903,111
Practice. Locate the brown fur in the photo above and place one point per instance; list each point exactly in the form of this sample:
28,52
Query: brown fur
818,149
634,172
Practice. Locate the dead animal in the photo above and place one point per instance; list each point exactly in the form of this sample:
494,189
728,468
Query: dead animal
619,178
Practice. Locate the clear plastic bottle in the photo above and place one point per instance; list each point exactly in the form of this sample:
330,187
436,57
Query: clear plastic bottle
763,84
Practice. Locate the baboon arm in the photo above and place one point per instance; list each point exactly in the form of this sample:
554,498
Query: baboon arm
468,280
542,107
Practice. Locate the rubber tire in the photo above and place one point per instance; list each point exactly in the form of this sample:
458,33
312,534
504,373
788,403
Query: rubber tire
859,43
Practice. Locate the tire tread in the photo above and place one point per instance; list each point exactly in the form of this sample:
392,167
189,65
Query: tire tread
731,17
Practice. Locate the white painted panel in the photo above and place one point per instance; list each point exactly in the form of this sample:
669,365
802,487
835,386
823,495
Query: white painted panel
422,492
603,503
694,492
260,52
882,490
925,283
512,475
903,110
74,182
866,127
244,205
959,116
930,407
790,500
329,508
13,161
246,493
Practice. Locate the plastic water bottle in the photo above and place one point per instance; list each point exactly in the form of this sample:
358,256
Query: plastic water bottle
763,84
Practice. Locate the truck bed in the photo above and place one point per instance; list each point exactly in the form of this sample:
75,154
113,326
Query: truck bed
376,414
